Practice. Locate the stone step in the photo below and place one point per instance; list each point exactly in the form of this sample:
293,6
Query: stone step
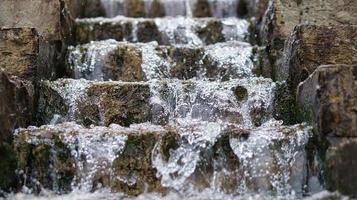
168,30
112,60
241,101
148,158
160,8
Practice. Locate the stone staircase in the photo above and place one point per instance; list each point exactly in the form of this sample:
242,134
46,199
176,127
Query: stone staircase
168,106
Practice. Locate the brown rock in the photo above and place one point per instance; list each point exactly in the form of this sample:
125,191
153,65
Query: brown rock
99,103
48,17
283,15
341,165
54,157
329,98
310,46
135,165
16,105
19,51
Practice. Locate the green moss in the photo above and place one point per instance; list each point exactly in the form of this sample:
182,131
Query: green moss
286,108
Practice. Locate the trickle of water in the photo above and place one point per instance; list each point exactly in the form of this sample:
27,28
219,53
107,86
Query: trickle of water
93,151
87,61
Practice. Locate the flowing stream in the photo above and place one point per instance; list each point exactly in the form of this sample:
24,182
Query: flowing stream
227,143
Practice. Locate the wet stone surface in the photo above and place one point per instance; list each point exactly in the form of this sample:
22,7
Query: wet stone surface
168,30
111,60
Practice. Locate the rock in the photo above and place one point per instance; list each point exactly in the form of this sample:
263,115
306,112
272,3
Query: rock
125,103
165,31
329,98
99,103
310,46
65,156
46,16
341,165
19,50
16,105
135,168
8,165
283,15
111,60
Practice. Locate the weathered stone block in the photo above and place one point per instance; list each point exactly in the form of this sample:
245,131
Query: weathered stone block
44,15
19,51
99,103
66,156
283,15
329,98
310,46
125,103
148,158
16,105
341,165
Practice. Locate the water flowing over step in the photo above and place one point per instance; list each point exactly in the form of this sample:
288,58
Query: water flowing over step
159,8
112,60
167,30
187,158
167,107
241,101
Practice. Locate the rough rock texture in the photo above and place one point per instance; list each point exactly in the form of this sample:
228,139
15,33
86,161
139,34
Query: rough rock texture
162,30
341,165
43,15
53,21
283,15
329,99
53,156
310,46
16,105
16,110
19,51
100,103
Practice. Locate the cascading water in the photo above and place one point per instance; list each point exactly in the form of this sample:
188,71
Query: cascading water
226,145
217,8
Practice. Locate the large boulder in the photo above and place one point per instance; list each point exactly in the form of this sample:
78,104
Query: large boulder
329,98
19,50
310,46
